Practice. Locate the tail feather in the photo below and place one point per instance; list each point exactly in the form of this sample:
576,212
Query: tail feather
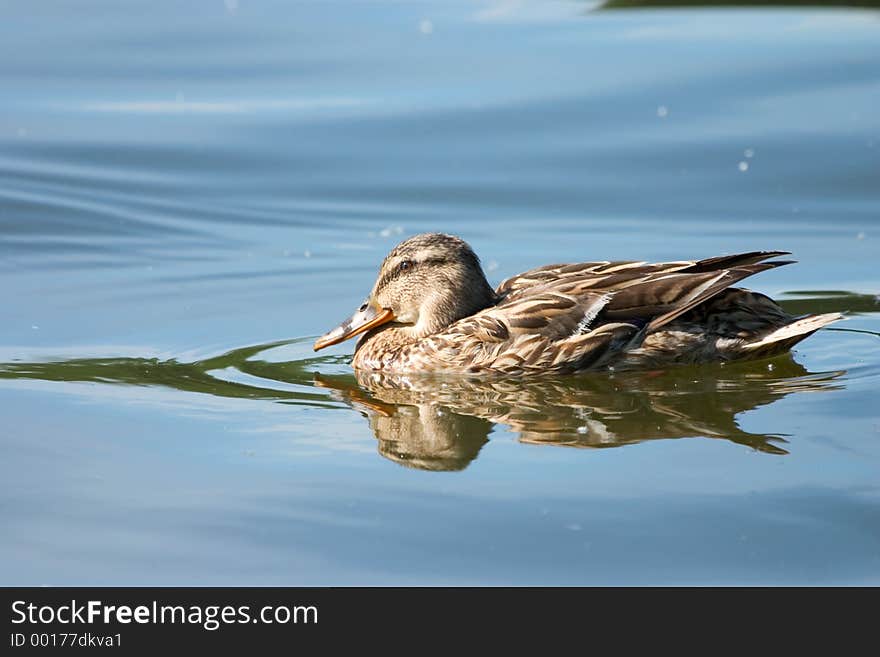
736,260
784,338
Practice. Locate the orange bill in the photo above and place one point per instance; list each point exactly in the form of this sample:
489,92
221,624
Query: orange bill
365,318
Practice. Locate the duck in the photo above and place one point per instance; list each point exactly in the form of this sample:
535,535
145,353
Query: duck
432,310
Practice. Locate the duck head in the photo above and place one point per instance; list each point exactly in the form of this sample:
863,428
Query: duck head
425,284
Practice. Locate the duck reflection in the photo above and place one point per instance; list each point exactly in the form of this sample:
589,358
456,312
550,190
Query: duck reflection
436,423
429,436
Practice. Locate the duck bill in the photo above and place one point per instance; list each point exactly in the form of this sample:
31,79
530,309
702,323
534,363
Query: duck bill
363,320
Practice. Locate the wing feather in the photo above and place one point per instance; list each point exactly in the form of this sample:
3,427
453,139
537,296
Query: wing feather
568,317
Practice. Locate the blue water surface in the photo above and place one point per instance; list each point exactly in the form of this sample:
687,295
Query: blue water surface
191,192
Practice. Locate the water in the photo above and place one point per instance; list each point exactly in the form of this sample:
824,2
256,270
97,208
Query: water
191,192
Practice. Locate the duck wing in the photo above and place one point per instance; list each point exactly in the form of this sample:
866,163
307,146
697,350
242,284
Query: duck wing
614,274
576,316
560,274
550,331
658,300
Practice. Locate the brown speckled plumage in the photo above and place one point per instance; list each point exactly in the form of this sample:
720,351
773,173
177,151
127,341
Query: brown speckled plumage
444,317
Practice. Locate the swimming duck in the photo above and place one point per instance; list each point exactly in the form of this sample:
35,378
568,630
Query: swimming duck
432,310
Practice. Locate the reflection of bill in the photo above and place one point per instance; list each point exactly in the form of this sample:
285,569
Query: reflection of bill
436,423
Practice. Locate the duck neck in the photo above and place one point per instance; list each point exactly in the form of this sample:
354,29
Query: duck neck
437,314
444,308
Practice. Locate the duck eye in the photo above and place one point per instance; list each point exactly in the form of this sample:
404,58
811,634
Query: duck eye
406,264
